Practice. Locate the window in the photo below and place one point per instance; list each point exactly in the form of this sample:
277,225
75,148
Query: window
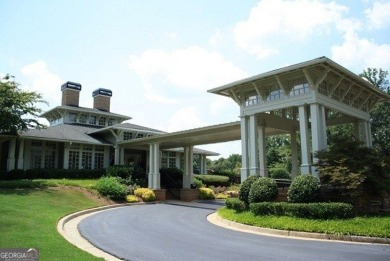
73,159
36,154
92,120
83,118
168,159
140,135
102,121
50,155
99,157
127,136
111,122
43,154
72,117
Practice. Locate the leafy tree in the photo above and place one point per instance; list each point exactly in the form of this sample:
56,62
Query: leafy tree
18,110
380,115
354,170
231,165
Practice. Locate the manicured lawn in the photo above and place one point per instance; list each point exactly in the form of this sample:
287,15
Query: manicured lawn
28,218
84,183
362,226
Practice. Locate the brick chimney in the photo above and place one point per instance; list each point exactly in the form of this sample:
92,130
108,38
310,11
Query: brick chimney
70,94
101,99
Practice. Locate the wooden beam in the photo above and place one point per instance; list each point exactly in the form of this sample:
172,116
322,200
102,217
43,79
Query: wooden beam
346,92
336,86
309,79
234,97
322,78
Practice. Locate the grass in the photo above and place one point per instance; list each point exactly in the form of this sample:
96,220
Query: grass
362,226
42,183
30,211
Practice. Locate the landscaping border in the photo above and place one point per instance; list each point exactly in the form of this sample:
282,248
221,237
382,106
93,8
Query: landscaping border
219,221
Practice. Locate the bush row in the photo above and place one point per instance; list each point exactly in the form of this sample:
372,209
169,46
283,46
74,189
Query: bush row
53,174
303,210
213,180
234,178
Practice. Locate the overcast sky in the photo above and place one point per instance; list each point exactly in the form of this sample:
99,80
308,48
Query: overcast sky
159,58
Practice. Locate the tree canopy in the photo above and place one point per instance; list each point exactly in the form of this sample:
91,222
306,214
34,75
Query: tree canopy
18,108
380,115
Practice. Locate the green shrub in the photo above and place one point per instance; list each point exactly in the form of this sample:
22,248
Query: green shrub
304,189
221,196
171,178
245,188
206,193
198,183
110,187
122,171
235,204
263,189
146,194
213,180
131,199
280,174
303,210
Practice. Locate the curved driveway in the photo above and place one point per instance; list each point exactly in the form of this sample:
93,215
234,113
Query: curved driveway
174,232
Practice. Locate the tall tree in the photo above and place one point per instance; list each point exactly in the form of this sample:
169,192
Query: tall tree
18,109
380,115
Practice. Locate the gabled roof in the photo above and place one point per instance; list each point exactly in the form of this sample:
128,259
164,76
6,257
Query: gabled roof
84,110
129,127
325,62
66,133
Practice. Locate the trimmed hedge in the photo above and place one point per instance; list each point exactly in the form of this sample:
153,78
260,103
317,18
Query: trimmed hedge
303,210
206,193
263,189
119,171
64,173
245,188
235,204
304,189
213,180
14,174
280,174
234,178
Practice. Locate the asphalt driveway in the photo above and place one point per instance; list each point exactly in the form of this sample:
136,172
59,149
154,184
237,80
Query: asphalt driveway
175,232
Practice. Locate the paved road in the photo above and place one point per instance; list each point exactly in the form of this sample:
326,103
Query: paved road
171,232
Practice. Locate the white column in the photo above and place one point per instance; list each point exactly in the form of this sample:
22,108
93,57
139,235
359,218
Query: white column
188,166
204,162
305,150
294,154
21,155
66,155
244,149
117,154
11,154
106,157
156,166
323,128
262,153
365,133
178,160
253,147
202,167
151,166
122,156
317,130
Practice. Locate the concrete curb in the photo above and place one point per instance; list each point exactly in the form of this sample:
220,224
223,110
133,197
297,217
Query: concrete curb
219,221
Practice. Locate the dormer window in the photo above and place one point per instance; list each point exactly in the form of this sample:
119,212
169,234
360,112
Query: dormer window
127,136
102,121
83,118
72,117
111,122
92,120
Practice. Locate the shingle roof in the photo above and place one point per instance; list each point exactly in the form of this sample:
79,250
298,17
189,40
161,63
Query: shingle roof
129,126
86,110
67,133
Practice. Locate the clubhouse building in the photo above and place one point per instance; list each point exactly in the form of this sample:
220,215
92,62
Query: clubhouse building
300,100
